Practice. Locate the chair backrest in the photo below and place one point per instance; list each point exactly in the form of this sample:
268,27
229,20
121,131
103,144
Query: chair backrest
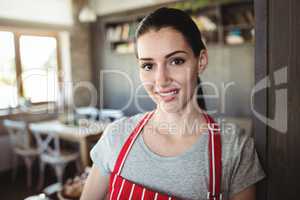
111,114
88,112
47,143
18,133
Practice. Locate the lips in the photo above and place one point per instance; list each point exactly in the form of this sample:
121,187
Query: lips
167,90
168,94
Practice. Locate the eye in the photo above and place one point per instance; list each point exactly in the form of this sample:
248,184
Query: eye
177,61
147,66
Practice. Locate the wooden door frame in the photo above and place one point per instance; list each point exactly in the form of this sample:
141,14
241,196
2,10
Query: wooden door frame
277,46
260,101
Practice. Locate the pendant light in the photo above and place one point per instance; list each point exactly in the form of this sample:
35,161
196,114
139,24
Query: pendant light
87,13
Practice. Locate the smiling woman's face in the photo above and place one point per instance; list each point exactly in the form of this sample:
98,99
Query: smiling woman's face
168,68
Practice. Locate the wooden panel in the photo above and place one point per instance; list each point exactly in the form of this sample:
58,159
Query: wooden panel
278,56
283,158
278,46
260,100
293,158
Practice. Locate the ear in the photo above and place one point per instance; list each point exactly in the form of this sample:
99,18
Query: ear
202,61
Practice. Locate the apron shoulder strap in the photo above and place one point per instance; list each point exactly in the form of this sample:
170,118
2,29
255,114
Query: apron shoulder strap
215,160
129,142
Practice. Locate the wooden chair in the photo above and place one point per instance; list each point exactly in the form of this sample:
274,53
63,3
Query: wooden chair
20,141
52,154
110,114
91,113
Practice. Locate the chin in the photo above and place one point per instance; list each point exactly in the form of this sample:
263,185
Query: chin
170,107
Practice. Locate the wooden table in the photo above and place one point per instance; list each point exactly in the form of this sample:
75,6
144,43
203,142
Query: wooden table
83,135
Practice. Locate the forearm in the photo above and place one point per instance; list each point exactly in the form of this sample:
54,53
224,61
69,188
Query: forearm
247,194
96,185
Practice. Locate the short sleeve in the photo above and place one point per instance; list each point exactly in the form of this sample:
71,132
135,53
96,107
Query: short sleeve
102,152
247,169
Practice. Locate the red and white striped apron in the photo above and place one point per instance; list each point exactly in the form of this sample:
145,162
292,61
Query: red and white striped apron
123,189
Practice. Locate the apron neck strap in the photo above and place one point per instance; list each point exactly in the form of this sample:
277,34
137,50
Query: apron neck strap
129,142
215,159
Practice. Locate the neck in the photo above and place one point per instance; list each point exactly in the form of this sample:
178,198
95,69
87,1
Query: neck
187,121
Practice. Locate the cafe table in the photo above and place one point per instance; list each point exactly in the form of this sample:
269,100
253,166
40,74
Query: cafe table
84,133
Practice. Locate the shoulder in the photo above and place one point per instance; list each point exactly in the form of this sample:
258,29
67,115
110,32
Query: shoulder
235,140
120,126
240,160
104,153
117,132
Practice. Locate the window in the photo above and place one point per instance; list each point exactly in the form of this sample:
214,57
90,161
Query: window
8,86
39,68
29,67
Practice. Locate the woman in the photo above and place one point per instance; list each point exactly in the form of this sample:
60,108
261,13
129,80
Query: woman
173,152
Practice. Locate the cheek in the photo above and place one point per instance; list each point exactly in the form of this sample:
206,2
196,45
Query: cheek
146,81
144,76
187,79
185,75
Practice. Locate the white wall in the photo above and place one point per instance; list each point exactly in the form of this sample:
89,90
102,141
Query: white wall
43,11
103,7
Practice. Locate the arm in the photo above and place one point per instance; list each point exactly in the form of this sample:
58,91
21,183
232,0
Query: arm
247,194
96,185
246,171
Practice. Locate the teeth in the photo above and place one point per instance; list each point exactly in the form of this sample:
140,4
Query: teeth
169,93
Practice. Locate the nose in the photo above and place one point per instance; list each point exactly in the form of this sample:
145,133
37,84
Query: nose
162,77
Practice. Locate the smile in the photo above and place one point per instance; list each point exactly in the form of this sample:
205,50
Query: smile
168,95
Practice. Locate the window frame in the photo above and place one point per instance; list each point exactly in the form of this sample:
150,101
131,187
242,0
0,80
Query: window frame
18,32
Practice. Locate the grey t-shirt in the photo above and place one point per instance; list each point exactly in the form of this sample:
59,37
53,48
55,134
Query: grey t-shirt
184,176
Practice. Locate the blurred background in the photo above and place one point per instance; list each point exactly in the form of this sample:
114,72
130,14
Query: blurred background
68,68
64,61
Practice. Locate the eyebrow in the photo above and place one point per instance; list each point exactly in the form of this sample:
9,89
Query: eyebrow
167,56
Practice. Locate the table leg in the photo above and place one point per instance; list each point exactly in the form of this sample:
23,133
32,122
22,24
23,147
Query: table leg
84,153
